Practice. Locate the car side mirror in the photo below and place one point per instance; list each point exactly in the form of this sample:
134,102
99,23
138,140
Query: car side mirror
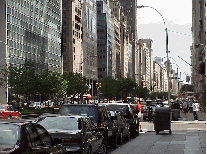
57,141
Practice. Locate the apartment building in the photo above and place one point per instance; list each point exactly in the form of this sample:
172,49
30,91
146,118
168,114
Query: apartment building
30,31
129,8
72,36
116,15
146,66
105,39
89,44
198,50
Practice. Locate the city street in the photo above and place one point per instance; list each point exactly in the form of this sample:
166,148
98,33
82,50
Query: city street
188,137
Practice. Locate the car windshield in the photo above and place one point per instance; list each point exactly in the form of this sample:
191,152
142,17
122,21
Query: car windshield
123,109
65,123
88,111
9,134
2,107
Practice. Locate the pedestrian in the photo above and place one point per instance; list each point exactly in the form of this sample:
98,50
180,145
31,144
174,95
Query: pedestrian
185,110
195,110
149,111
138,111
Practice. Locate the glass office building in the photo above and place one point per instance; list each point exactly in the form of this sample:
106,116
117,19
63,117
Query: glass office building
33,33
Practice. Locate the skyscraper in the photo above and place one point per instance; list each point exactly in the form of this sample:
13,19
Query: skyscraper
30,31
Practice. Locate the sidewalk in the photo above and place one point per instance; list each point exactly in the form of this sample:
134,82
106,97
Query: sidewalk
201,116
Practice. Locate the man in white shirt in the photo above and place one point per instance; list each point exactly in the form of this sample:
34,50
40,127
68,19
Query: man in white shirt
195,109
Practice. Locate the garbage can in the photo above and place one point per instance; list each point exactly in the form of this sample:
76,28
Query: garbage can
162,119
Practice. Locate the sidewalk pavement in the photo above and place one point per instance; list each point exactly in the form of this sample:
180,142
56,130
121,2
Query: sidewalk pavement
201,116
179,142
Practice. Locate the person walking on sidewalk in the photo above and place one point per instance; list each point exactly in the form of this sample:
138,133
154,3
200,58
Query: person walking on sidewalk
138,110
195,110
185,110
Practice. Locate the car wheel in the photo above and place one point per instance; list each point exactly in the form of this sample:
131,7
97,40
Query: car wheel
88,150
9,117
113,144
102,149
157,132
128,136
120,138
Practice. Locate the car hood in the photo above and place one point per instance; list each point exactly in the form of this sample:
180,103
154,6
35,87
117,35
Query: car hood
7,148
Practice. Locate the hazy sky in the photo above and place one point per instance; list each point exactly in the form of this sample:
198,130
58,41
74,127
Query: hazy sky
178,17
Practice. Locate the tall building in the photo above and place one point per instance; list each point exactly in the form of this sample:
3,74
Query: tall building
72,36
146,63
129,8
89,44
198,50
30,31
124,55
116,15
105,40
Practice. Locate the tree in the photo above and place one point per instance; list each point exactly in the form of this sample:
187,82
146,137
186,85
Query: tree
108,87
76,84
125,86
186,87
141,92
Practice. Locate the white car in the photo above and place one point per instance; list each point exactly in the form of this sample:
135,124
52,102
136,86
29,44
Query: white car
35,105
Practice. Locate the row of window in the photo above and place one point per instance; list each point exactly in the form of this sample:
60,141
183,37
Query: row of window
32,23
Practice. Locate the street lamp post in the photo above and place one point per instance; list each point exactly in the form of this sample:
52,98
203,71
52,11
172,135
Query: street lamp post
167,52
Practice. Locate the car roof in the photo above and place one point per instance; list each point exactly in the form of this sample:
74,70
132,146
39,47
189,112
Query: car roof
63,115
115,103
79,105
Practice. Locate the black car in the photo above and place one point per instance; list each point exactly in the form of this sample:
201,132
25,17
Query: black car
125,110
98,114
124,127
78,134
22,137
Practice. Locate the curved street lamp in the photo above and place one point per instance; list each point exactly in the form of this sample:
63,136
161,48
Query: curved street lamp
166,50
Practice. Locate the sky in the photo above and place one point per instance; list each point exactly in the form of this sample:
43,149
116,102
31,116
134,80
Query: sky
178,19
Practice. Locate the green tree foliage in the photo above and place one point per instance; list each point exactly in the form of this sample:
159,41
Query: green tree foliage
109,87
186,87
23,80
141,92
76,84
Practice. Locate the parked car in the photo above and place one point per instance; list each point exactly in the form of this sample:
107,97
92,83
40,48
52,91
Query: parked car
127,112
99,115
124,127
35,105
20,136
8,112
145,112
77,133
48,104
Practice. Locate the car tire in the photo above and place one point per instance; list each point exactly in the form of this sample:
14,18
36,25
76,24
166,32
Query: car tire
102,149
128,136
120,139
114,143
88,150
9,117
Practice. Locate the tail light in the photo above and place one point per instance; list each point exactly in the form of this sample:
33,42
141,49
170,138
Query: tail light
99,124
71,140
